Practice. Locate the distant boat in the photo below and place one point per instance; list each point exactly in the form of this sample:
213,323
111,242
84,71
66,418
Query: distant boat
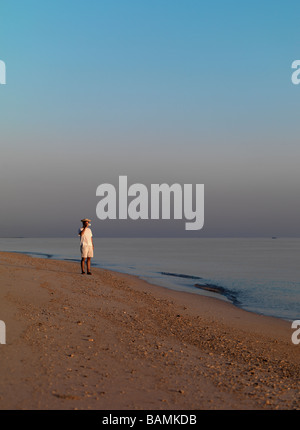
274,237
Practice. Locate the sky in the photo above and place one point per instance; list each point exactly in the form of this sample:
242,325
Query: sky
163,91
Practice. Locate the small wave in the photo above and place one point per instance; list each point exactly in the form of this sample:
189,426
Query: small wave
32,253
180,275
219,290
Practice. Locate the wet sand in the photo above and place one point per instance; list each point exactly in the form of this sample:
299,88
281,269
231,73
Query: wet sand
113,342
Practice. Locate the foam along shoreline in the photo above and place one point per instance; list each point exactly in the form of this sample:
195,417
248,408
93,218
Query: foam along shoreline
219,290
226,292
113,341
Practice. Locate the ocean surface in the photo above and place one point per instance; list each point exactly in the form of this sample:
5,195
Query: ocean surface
258,275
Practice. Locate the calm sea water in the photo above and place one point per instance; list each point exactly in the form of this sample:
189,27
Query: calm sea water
259,275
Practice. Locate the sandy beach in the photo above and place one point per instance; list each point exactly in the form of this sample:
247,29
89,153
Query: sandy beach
114,342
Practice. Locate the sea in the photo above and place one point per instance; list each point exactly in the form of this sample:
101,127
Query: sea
260,275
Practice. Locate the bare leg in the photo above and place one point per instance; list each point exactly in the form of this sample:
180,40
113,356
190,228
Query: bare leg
82,265
88,264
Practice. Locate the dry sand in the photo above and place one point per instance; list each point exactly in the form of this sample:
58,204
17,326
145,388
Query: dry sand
113,342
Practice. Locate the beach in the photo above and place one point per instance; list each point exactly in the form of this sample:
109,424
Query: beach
112,341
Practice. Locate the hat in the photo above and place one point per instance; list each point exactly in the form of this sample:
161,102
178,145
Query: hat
85,220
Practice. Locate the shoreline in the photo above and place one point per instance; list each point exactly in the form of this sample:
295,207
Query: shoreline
263,284
219,292
114,341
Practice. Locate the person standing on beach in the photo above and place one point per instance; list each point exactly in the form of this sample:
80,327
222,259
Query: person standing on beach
86,245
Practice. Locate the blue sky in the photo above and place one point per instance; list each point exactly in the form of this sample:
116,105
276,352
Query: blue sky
161,91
